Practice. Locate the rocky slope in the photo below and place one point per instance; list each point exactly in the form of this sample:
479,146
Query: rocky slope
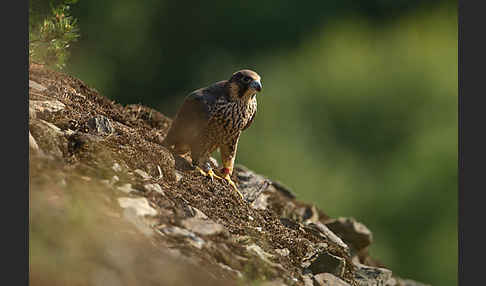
110,206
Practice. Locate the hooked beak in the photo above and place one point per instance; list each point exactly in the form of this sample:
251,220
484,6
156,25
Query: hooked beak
256,85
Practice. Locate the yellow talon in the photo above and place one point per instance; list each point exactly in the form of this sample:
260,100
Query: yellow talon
209,174
228,179
212,175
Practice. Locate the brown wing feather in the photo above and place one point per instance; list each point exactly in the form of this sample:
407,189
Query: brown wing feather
191,119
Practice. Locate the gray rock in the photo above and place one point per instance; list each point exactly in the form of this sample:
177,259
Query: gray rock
142,174
202,227
116,167
191,237
127,188
328,234
139,205
101,125
46,105
52,126
308,280
372,276
114,179
325,262
37,86
307,214
261,202
49,138
290,223
263,255
251,185
33,144
155,188
353,233
194,212
227,268
327,279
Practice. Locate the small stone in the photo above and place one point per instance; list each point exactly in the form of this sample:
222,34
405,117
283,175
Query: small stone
282,251
261,202
327,279
101,125
139,205
177,231
251,218
369,275
116,167
114,179
330,235
352,232
126,188
202,227
178,176
326,262
155,188
142,174
194,212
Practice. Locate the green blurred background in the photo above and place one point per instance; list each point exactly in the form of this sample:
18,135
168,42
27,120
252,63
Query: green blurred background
358,113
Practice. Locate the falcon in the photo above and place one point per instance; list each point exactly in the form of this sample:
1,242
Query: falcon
213,118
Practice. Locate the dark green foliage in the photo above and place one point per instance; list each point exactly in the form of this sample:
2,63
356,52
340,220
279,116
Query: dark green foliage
51,31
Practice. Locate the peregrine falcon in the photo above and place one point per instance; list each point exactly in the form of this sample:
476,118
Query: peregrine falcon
214,117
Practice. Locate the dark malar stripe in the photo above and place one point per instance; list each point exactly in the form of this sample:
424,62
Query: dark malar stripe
242,90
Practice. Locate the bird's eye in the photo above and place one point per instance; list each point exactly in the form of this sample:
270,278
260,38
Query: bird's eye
247,79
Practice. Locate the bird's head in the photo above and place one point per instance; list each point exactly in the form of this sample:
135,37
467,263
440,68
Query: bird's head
244,85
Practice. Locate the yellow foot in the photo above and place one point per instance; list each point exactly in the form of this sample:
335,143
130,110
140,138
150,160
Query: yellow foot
209,174
227,178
